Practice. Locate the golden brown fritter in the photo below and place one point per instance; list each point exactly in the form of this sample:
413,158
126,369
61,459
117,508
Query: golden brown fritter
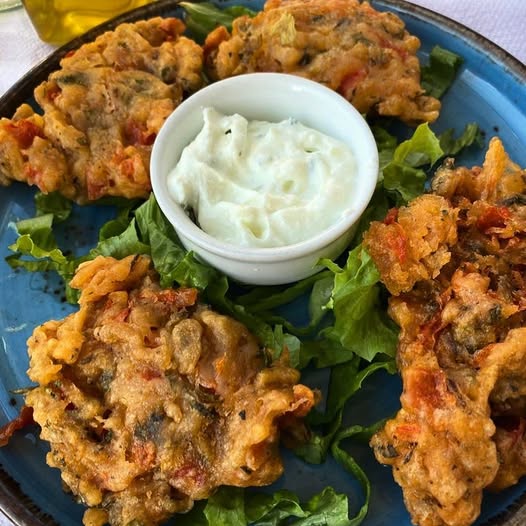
415,242
462,347
498,181
365,55
101,113
492,204
150,401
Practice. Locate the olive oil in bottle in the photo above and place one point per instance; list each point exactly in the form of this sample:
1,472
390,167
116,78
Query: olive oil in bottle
58,21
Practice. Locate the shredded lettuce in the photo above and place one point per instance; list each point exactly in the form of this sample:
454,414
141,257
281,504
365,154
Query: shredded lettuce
203,17
403,174
361,325
346,380
361,434
173,263
452,146
442,69
36,249
238,507
55,204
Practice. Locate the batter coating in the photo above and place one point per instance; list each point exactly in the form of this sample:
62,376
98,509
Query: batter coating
462,347
366,55
150,401
101,113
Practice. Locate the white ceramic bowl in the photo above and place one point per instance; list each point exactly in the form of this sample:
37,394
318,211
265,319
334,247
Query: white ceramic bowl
270,97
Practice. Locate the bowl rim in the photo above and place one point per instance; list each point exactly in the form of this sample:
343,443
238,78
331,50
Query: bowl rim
185,227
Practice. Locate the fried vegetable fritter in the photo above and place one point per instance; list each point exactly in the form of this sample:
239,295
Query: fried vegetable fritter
415,242
366,55
460,300
101,113
150,401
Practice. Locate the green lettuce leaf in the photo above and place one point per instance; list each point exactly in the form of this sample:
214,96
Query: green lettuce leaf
316,449
267,298
441,71
453,146
173,263
203,17
422,149
405,167
53,203
36,250
346,380
237,507
116,226
226,507
39,230
403,175
404,181
120,245
386,144
321,353
361,323
362,434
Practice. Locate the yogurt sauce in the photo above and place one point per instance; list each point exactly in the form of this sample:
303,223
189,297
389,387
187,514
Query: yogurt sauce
259,184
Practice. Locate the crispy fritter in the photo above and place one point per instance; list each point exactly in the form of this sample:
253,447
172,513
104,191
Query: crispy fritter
101,113
415,242
150,401
366,55
498,181
462,347
492,204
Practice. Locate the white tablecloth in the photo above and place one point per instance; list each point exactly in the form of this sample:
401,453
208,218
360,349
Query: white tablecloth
501,21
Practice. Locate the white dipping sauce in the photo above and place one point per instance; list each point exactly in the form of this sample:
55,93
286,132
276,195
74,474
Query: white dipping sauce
259,184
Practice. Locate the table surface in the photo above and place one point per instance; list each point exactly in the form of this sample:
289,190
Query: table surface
501,22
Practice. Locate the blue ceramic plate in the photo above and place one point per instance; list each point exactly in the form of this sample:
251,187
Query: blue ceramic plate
491,90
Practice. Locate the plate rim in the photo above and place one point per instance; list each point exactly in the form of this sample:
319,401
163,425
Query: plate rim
19,508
